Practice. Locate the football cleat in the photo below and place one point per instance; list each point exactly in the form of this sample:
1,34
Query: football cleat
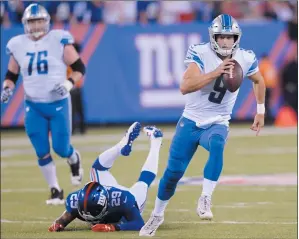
76,171
150,228
131,134
56,197
153,132
204,208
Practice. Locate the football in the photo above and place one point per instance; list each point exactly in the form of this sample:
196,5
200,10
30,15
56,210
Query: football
233,80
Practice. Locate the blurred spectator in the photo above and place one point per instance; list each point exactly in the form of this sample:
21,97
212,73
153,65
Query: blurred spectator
14,10
290,84
176,11
148,11
87,12
270,75
232,8
120,12
78,116
269,12
61,12
293,26
203,11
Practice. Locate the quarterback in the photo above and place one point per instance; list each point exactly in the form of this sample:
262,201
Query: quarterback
205,120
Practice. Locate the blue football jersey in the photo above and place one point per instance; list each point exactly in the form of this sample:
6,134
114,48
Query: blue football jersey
122,209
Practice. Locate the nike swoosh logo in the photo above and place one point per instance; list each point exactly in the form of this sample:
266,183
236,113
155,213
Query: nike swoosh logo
59,108
125,200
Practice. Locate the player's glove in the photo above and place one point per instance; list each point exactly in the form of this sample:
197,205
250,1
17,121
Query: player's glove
103,228
56,227
6,94
65,87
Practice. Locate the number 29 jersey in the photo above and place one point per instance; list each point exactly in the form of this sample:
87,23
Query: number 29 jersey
120,205
213,101
41,63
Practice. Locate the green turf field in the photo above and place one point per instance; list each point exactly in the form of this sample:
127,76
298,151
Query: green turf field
256,210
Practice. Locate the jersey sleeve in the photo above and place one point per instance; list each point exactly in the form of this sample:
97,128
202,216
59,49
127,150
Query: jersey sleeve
252,62
11,46
71,203
66,37
193,56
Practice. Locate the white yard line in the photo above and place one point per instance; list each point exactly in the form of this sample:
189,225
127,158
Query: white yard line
104,138
177,222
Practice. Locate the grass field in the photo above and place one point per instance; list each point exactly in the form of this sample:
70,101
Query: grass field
256,197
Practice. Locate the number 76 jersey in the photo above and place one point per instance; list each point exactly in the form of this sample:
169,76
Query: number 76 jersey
41,63
213,101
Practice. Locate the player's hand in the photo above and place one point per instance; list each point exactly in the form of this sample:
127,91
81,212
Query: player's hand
60,89
224,67
56,227
63,88
6,94
103,228
259,121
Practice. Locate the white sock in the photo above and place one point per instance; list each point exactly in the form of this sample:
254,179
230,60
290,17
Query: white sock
73,158
160,207
152,161
108,157
208,187
49,172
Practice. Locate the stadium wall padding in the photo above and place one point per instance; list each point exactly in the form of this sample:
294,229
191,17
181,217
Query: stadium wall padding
133,72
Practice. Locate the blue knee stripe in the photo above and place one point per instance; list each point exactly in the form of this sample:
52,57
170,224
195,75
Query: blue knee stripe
147,177
96,165
44,162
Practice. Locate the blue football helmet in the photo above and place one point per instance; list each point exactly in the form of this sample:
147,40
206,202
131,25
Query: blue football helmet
226,25
93,202
36,12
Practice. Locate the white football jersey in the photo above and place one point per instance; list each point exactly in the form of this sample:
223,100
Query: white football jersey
213,103
41,63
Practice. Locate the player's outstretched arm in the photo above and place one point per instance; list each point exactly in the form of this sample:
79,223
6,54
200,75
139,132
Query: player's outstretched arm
259,89
61,222
194,79
11,78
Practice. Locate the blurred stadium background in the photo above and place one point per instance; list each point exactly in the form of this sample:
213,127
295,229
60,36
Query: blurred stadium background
134,52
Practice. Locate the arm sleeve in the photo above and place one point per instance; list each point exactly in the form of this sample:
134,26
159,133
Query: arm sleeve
253,65
9,47
193,56
71,204
66,38
134,221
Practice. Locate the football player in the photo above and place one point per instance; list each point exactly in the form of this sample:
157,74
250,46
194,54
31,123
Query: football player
42,57
104,203
205,120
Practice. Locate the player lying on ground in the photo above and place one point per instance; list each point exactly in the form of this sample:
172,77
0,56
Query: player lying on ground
42,57
205,120
103,202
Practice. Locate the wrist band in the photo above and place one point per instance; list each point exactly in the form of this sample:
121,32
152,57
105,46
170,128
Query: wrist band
260,109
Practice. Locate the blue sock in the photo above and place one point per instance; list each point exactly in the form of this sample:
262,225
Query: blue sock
98,166
214,164
147,177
